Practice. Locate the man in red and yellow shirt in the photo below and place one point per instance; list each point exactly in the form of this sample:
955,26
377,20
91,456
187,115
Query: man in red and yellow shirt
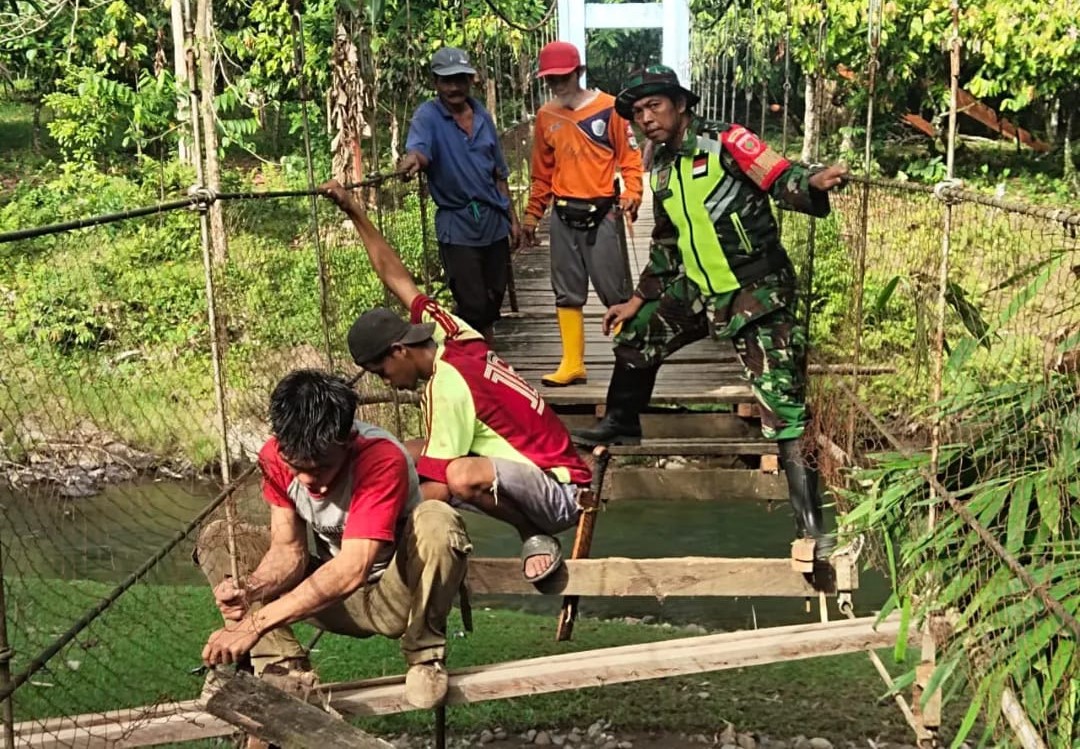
579,141
493,443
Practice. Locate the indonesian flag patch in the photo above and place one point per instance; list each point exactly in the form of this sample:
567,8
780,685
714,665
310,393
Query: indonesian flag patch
701,165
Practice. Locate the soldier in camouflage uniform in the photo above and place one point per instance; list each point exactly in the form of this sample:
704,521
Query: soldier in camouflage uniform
716,266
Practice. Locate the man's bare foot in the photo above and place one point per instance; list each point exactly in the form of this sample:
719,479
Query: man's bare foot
540,555
537,565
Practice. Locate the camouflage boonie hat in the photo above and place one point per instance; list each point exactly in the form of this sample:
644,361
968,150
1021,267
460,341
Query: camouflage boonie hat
655,79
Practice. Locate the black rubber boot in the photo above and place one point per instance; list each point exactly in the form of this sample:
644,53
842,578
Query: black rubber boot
802,480
628,395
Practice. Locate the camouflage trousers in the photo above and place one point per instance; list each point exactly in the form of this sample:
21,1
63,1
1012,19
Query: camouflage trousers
760,322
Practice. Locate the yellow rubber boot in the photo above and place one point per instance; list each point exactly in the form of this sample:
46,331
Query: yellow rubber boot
571,369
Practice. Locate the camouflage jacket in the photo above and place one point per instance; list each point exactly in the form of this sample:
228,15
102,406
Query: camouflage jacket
713,218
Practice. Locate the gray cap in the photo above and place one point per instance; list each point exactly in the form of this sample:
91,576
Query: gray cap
451,61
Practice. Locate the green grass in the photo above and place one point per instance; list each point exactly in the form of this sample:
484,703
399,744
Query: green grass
141,651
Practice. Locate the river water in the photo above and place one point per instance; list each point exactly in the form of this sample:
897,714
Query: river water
107,536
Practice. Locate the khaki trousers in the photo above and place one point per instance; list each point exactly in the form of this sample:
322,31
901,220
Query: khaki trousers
411,600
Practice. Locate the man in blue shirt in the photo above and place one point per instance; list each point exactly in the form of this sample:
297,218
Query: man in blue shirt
453,139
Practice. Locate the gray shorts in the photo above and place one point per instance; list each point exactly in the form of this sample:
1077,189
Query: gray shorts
574,261
548,504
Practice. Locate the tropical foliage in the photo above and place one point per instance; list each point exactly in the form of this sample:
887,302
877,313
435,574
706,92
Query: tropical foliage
1000,569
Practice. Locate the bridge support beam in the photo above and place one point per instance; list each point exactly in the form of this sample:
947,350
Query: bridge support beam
576,17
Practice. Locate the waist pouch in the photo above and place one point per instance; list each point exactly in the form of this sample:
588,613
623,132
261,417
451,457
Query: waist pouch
751,269
584,215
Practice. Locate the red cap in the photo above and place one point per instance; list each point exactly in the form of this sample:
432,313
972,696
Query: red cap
558,58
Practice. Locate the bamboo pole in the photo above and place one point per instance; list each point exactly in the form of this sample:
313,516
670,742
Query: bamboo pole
201,32
5,663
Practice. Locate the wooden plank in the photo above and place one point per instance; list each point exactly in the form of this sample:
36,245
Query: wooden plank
699,446
976,110
596,392
282,720
680,425
654,578
697,484
524,677
598,668
920,124
171,723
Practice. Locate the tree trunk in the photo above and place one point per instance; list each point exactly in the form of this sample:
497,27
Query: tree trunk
847,142
491,102
1068,167
1053,121
395,136
204,20
346,103
180,74
811,118
35,128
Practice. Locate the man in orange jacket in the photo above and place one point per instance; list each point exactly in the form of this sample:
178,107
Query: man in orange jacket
579,141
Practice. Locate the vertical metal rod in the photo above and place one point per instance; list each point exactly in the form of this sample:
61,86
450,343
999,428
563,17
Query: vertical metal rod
320,259
747,88
787,100
211,297
440,727
5,663
874,40
811,236
734,59
764,103
946,242
425,235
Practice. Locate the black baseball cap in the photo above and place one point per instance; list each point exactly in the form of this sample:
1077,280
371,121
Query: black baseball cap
375,331
451,61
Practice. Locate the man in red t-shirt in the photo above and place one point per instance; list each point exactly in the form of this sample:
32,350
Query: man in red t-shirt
385,562
493,444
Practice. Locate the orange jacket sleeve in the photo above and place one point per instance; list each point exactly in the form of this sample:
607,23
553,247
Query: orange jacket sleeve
543,168
628,156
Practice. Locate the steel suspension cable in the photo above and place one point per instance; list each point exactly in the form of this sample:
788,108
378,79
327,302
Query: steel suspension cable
199,197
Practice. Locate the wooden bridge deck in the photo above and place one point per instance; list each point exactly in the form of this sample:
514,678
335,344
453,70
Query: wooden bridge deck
704,372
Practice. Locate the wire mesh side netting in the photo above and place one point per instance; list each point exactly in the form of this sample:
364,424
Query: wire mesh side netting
111,448
112,440
982,308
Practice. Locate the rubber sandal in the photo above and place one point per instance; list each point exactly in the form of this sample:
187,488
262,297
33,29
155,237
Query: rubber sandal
539,545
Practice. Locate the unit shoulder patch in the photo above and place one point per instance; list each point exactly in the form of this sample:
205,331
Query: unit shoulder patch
753,156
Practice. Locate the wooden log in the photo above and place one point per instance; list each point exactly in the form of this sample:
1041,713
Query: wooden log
657,578
259,709
699,484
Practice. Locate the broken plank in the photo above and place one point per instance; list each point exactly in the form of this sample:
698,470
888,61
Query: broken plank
264,711
655,578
